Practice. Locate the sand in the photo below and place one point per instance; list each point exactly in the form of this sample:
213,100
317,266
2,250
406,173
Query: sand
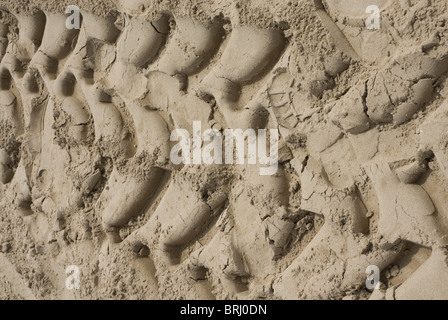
86,178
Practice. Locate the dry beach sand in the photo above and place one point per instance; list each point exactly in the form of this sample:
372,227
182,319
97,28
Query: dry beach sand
86,178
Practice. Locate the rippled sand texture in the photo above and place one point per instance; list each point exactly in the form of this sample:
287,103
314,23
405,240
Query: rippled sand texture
86,178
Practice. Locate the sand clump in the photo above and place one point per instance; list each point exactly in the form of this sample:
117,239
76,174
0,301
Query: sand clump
86,178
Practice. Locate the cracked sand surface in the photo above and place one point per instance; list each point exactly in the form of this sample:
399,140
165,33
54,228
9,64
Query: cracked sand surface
85,171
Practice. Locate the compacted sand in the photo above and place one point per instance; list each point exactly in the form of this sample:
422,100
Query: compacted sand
91,200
